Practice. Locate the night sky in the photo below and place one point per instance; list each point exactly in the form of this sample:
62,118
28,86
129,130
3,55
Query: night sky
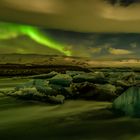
100,29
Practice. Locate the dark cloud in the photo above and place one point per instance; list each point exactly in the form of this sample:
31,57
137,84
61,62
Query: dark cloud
100,45
75,15
123,2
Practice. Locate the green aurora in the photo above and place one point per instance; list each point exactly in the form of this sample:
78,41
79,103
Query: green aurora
12,30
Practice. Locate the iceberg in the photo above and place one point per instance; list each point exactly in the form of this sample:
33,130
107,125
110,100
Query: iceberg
129,102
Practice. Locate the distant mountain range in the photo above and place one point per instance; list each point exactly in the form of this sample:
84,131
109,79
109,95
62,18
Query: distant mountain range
57,60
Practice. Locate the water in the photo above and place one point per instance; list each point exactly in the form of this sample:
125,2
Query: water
10,83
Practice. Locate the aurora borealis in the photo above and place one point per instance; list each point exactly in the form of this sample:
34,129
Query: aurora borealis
63,65
27,39
99,29
11,30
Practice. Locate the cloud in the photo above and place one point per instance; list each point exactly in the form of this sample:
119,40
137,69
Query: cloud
115,51
74,15
124,3
37,6
118,12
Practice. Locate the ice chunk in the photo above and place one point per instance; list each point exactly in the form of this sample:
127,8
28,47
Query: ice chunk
129,102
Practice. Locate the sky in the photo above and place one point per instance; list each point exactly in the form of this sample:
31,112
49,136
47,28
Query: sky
75,15
99,29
